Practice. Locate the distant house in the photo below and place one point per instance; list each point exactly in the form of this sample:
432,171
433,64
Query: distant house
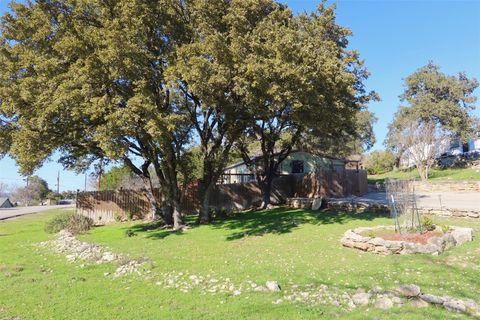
298,162
447,150
474,145
5,203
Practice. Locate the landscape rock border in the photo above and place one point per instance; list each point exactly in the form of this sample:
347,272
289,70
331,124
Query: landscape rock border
74,249
353,238
413,295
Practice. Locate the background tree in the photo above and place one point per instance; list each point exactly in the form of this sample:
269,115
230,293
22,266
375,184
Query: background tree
380,161
423,143
3,189
442,99
35,191
113,179
437,102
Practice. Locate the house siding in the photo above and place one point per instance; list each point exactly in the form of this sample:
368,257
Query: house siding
311,163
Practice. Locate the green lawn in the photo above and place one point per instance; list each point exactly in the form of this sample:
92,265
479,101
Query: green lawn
436,175
293,247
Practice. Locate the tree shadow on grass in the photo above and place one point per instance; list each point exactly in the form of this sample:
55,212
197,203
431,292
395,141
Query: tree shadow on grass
153,230
284,220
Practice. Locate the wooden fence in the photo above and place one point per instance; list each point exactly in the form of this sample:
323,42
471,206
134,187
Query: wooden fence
106,206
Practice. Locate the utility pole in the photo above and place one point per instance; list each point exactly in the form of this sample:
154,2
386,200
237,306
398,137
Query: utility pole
85,188
58,182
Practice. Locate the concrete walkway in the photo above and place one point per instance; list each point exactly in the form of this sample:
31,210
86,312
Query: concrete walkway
8,213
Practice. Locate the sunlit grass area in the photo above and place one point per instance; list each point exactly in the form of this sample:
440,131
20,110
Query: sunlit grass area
297,248
436,175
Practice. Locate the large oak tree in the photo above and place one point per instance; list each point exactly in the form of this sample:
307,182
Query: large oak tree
86,79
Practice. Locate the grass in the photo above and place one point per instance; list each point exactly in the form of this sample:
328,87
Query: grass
436,175
290,246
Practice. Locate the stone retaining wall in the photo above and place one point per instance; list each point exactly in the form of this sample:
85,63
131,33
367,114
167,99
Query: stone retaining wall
353,238
459,213
447,186
454,186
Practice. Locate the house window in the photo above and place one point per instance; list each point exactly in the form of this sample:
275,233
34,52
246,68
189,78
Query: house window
297,166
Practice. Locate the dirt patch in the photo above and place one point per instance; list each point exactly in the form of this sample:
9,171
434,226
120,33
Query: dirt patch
421,238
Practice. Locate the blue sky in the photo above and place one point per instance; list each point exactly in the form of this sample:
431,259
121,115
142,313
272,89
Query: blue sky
394,37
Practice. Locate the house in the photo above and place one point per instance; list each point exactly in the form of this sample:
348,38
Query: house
298,162
5,203
474,145
446,152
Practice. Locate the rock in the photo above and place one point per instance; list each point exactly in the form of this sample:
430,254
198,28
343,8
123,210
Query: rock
260,289
317,203
462,235
398,300
409,290
384,303
430,298
272,286
455,305
361,298
419,303
376,290
472,307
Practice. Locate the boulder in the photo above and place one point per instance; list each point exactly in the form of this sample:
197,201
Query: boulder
430,298
462,235
317,203
409,290
272,286
455,306
361,298
384,303
419,303
472,307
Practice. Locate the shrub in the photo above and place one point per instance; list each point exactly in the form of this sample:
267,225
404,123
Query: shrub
379,162
445,228
371,234
58,223
79,224
74,223
427,223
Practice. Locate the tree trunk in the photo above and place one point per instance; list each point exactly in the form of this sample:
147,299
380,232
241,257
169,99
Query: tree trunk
421,171
206,191
167,211
177,216
155,211
267,192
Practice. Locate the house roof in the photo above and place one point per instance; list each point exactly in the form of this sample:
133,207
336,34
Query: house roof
257,156
3,200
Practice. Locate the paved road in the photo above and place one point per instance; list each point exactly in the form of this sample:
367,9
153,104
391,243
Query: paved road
7,213
449,200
